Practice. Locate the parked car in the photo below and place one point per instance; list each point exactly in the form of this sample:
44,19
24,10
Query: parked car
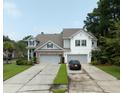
74,65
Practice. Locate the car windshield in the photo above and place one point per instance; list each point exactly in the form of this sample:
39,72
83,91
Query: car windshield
74,62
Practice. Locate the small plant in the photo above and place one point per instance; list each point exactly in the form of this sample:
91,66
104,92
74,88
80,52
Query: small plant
62,61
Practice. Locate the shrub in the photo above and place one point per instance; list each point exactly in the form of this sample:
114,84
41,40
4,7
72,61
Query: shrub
19,62
34,59
30,63
94,63
117,63
62,60
23,61
103,60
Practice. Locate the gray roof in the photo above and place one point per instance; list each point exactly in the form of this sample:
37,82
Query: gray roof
69,32
58,38
55,38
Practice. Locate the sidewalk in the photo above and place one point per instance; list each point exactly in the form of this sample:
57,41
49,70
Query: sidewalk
37,79
107,82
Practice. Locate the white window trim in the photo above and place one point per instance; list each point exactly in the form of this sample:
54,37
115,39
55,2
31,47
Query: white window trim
85,43
76,43
81,43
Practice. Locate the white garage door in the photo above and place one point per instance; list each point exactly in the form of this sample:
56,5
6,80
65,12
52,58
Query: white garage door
81,58
49,58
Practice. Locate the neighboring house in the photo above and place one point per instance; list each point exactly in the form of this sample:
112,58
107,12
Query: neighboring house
72,44
8,55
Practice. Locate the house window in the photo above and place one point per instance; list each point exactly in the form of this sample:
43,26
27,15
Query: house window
49,45
77,42
31,42
83,43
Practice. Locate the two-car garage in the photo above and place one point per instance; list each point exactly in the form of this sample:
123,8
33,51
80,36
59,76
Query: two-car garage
80,57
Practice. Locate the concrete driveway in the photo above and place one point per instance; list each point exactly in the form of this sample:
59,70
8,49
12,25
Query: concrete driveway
92,80
37,79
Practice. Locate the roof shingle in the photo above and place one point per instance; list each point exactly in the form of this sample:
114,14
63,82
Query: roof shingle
69,32
56,38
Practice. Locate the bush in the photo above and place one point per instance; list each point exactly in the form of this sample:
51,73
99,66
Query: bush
19,62
103,60
117,63
30,63
23,61
34,59
62,60
94,63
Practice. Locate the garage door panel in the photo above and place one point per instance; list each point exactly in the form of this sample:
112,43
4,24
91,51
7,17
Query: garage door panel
81,58
49,59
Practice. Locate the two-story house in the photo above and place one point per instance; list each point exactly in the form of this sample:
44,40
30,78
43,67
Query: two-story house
72,44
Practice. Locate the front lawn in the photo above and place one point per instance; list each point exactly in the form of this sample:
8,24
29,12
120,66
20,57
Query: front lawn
113,70
62,77
9,70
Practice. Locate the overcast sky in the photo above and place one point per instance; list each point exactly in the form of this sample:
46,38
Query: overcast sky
31,17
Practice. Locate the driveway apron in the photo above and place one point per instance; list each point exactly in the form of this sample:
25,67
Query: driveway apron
37,79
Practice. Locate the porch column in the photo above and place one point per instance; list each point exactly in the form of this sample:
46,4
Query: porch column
31,53
65,57
37,57
28,55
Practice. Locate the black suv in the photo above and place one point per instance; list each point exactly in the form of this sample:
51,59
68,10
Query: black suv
74,65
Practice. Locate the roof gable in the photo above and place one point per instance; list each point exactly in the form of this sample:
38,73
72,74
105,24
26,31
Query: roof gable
69,33
44,46
56,38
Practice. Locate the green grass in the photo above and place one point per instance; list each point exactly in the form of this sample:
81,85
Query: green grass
113,70
62,77
9,70
58,91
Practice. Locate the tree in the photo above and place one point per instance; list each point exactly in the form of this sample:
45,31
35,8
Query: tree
27,37
8,48
21,48
103,22
6,38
